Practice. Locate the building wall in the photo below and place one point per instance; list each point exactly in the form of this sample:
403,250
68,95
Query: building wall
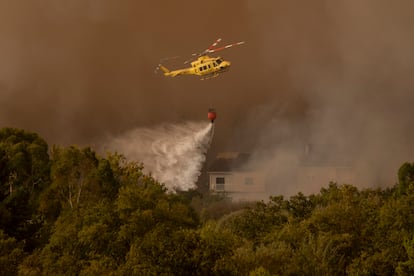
251,186
318,175
239,186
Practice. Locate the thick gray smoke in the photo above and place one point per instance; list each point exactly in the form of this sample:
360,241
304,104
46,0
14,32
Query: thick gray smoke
173,153
352,64
322,72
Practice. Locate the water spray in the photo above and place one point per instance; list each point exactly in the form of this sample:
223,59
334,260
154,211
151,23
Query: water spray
173,153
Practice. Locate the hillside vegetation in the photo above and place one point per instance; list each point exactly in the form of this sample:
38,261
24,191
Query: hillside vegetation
69,211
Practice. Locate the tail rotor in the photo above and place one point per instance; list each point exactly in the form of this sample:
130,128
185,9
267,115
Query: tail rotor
160,67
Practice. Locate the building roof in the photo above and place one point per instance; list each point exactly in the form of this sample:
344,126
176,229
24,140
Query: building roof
229,161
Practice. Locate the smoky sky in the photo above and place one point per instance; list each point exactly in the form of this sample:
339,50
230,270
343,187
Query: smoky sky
75,70
323,72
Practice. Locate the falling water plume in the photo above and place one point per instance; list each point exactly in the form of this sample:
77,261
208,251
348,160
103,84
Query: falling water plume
172,153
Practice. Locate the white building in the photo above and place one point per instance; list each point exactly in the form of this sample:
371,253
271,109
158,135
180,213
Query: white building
316,167
321,164
229,175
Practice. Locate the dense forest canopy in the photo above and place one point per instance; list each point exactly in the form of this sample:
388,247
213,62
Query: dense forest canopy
69,211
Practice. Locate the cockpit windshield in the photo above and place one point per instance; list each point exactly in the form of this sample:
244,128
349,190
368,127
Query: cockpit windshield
220,60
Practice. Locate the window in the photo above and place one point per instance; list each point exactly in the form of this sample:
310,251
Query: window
248,181
205,67
201,68
220,181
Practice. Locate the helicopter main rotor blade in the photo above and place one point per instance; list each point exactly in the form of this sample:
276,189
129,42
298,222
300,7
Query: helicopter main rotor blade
225,47
211,49
208,49
168,58
214,44
191,59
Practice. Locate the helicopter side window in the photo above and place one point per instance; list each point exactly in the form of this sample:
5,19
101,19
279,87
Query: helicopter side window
205,67
215,64
219,61
200,68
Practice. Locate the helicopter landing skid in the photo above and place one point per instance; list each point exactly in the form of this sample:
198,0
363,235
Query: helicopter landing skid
210,77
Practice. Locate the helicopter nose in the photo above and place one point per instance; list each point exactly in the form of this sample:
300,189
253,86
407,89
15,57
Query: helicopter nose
225,64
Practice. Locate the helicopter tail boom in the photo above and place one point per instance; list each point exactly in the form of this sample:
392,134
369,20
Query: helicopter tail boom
172,73
163,68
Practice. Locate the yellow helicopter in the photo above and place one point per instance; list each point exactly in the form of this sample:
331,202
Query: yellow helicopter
204,66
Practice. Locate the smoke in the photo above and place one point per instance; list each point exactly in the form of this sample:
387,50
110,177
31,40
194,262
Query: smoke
172,153
70,71
350,64
335,73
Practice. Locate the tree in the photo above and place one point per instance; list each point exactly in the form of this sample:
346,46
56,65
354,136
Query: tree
24,174
217,245
72,173
255,222
407,267
405,177
300,207
11,253
24,159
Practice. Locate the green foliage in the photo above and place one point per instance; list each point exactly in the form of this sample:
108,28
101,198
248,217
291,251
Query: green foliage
24,174
217,245
300,207
74,175
24,159
405,178
214,207
260,271
395,226
11,253
257,221
81,214
164,251
407,267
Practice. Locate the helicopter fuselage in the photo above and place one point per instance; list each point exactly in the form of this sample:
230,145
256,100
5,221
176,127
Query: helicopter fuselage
206,65
203,66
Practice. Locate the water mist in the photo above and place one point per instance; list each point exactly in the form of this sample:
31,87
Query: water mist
172,153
